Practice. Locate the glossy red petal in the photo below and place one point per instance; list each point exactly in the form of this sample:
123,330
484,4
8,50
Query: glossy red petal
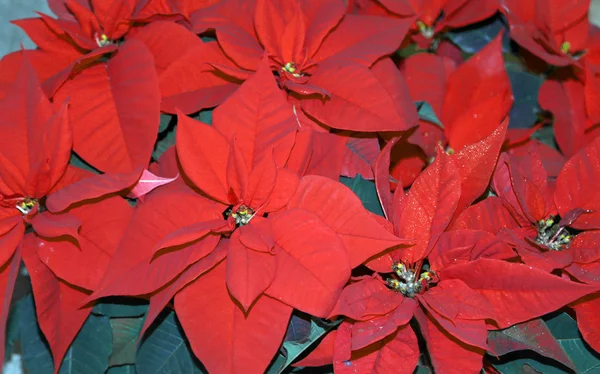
203,153
575,187
428,207
232,342
341,209
310,256
517,292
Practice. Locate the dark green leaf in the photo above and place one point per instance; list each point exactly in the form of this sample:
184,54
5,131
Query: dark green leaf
125,369
117,306
80,163
165,349
473,38
164,142
125,333
91,348
13,327
525,87
36,354
426,113
166,121
366,192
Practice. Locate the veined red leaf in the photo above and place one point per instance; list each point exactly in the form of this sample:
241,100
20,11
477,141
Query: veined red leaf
233,342
115,110
576,187
341,209
428,207
517,292
310,256
260,117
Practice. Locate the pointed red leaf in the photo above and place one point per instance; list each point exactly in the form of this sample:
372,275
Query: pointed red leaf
367,298
147,183
359,157
236,173
310,256
232,342
517,292
587,312
115,110
203,153
51,226
8,276
342,210
428,207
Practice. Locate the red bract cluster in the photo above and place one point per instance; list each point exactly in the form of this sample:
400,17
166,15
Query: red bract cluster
243,221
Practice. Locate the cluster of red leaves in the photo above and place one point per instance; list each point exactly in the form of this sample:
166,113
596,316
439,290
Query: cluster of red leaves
244,221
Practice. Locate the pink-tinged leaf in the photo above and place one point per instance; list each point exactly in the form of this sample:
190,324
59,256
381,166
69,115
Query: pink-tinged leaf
533,335
587,311
429,206
249,272
476,163
566,100
55,225
367,298
187,83
260,118
90,188
398,353
232,342
489,215
472,110
98,227
203,153
147,183
115,109
57,304
517,292
341,209
8,277
377,328
576,187
359,157
310,256
359,101
443,348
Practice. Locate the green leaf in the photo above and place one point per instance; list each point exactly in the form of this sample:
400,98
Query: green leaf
164,142
36,354
125,333
80,163
165,349
525,88
166,121
366,192
13,327
125,369
121,307
426,113
300,342
471,39
91,348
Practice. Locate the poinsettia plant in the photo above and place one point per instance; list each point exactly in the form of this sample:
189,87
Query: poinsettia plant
278,186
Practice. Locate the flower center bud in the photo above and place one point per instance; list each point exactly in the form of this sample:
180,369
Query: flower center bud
290,68
406,281
102,40
242,215
27,205
426,31
552,235
565,47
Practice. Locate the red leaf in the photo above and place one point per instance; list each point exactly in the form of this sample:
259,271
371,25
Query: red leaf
476,163
359,100
58,305
453,299
576,187
115,110
488,215
232,342
260,118
587,312
51,226
382,179
444,349
517,292
532,335
342,210
206,165
36,141
326,155
428,207
97,185
322,354
249,272
367,298
310,256
359,157
478,97
236,173
102,227
8,276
